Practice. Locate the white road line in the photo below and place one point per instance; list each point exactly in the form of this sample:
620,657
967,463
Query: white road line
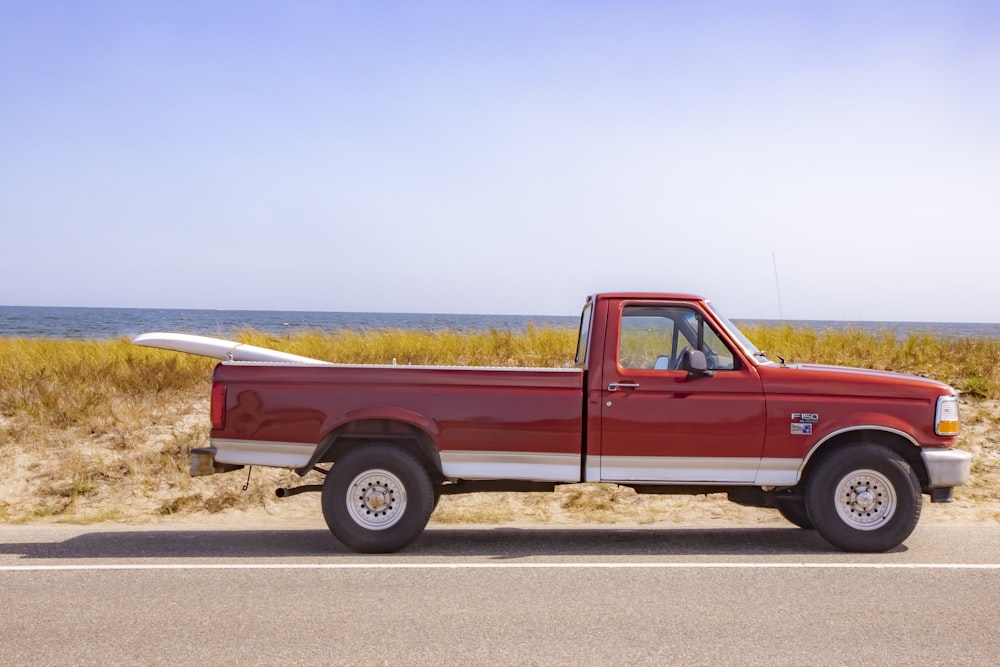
500,566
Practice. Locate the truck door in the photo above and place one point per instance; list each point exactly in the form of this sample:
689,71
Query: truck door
663,424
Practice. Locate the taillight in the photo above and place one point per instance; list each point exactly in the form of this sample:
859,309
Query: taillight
946,416
218,406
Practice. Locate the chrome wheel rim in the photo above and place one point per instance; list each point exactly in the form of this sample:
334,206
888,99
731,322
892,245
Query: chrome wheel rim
376,499
865,499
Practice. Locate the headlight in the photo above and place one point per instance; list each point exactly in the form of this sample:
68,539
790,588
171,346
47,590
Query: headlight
946,416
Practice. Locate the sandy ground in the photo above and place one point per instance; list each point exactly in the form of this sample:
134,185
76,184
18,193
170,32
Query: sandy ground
120,476
536,510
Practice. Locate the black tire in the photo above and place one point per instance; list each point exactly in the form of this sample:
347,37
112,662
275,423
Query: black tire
793,508
377,498
864,497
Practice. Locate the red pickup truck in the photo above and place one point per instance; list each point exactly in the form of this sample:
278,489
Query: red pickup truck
665,396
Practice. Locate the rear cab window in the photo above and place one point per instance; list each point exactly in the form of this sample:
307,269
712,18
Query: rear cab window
583,339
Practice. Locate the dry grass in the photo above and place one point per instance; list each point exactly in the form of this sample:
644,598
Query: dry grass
971,365
538,347
96,431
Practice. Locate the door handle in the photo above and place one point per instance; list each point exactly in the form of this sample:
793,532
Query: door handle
615,386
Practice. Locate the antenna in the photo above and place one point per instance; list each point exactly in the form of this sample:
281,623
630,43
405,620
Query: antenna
777,286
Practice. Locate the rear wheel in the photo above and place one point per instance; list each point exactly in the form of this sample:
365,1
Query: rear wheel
377,498
864,497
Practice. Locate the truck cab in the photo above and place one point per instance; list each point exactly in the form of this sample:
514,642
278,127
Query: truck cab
685,398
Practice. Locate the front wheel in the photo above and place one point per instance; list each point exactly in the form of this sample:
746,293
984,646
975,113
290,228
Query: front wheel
377,498
793,508
864,497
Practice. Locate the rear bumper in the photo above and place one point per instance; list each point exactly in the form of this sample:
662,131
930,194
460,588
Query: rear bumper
203,462
946,467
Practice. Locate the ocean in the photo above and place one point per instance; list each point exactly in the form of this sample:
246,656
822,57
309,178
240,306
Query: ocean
111,323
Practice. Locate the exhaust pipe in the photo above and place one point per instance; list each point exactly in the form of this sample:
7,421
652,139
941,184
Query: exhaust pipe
305,488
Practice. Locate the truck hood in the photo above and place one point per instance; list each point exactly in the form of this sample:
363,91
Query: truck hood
818,379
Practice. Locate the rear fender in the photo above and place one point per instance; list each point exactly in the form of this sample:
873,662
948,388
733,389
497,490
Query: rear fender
389,413
387,425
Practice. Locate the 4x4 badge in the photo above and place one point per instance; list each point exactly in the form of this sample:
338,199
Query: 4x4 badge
802,422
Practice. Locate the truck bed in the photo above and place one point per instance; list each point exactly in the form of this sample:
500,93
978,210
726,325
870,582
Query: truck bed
519,423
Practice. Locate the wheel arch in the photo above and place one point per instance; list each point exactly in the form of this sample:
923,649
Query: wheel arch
898,441
367,430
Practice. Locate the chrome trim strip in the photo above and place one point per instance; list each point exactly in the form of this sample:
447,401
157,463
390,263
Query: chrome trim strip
679,469
849,429
262,453
946,467
863,427
530,466
779,472
458,464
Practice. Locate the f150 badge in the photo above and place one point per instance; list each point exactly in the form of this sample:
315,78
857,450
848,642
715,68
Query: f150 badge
802,422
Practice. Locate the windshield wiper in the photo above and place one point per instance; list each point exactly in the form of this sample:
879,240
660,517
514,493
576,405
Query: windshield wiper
763,355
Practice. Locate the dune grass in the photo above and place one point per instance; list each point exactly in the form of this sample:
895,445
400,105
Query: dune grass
95,430
62,382
971,365
535,347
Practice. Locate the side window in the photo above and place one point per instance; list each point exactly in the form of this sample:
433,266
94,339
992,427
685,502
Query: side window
719,357
655,337
647,338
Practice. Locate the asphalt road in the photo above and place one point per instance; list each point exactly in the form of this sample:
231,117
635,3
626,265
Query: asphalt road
503,596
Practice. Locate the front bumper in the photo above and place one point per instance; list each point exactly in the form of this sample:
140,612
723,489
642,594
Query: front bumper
946,467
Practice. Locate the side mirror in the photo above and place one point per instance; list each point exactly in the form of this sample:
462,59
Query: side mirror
695,363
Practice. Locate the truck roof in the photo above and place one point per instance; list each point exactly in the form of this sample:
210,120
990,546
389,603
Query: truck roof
649,295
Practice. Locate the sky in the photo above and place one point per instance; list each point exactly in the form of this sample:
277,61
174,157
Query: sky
796,160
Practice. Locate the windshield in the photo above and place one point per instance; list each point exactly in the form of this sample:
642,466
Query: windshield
735,332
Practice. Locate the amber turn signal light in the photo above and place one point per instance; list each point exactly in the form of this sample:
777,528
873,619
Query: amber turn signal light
946,417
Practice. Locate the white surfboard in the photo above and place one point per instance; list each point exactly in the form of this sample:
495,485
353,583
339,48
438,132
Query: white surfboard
217,348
